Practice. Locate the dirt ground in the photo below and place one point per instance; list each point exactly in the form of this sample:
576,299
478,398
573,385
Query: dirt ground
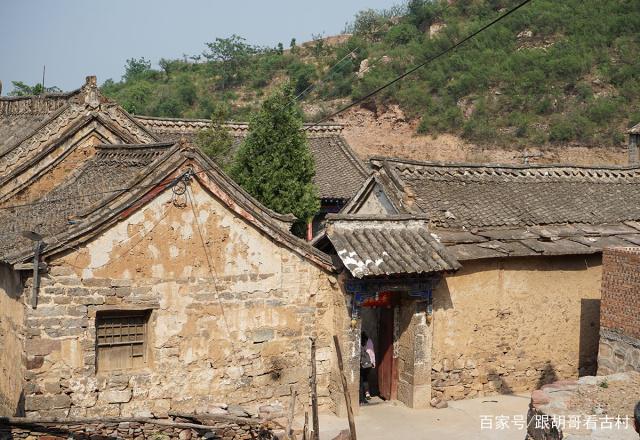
614,398
462,420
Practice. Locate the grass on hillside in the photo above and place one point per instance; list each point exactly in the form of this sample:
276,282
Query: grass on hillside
553,72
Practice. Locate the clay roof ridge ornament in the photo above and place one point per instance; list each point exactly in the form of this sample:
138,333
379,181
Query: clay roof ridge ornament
90,90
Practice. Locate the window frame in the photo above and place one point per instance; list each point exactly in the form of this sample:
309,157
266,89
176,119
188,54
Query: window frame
106,320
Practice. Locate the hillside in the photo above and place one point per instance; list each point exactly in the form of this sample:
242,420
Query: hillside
553,74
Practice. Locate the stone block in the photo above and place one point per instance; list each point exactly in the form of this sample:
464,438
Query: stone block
115,396
47,402
40,346
34,362
262,335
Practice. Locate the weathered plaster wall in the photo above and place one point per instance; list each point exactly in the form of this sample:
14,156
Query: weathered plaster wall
242,339
11,335
514,324
413,349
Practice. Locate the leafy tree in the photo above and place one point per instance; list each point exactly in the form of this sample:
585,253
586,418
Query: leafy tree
216,141
232,53
274,163
135,68
22,89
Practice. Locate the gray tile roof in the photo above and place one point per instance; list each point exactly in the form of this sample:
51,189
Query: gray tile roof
481,196
109,173
489,211
387,245
339,172
115,183
21,116
531,241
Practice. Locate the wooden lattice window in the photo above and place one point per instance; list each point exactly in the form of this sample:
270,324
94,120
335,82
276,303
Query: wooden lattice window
121,340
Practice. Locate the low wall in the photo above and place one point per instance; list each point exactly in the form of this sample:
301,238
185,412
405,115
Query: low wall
134,428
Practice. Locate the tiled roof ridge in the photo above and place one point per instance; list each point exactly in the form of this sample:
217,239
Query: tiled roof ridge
187,124
34,104
131,153
376,217
468,171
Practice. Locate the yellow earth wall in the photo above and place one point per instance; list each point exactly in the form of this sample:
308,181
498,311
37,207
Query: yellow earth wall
509,325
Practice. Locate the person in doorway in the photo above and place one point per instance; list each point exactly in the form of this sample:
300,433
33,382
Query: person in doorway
367,362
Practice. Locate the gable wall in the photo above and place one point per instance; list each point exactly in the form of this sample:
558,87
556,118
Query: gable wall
75,151
243,339
514,324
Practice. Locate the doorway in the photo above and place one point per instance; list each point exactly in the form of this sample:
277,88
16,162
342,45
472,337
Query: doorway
378,324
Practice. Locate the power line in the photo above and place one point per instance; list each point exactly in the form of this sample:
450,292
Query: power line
429,60
313,85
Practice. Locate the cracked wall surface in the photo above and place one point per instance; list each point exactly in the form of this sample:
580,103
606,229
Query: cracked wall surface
231,324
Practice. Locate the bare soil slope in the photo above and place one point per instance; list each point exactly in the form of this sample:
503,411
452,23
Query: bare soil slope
390,133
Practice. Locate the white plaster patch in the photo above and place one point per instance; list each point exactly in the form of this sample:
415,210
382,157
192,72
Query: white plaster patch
157,271
173,251
155,253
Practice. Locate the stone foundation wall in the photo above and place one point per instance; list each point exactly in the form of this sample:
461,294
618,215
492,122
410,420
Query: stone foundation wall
617,353
131,428
619,349
509,325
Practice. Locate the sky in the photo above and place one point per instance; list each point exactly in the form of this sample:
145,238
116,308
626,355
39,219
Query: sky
76,38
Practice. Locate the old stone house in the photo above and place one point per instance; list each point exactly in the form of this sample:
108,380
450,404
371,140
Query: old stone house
159,285
521,309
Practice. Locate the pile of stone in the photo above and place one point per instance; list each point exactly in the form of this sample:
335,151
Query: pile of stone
592,407
224,427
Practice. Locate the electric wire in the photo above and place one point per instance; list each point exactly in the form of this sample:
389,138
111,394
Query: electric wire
424,63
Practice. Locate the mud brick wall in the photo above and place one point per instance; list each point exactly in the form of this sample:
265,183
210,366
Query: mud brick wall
139,429
510,325
620,311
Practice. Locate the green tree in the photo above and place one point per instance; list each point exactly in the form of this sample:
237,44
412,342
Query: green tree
136,68
274,163
233,54
215,141
22,89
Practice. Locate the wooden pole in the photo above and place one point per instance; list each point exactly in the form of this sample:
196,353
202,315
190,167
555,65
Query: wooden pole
314,393
294,394
305,430
345,389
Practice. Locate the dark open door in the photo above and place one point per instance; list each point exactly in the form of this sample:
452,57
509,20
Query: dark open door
386,367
